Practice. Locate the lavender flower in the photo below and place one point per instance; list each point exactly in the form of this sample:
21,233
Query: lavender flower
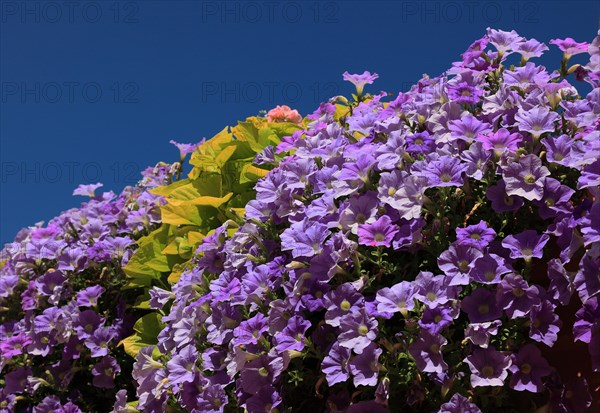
427,352
526,178
378,233
489,367
528,368
360,80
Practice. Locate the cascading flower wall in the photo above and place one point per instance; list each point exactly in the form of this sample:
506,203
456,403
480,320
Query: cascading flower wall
434,251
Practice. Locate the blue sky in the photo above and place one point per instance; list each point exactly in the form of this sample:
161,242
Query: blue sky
93,91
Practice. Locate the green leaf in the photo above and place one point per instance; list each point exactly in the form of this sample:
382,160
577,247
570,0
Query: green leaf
148,262
147,329
251,173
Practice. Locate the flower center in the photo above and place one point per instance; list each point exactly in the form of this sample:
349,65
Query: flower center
263,372
363,330
435,348
475,236
392,191
345,305
379,237
431,296
487,371
526,368
489,275
402,304
463,265
445,177
437,318
527,252
361,218
549,202
529,179
483,309
518,292
419,141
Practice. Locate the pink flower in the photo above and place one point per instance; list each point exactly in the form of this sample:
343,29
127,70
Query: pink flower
284,114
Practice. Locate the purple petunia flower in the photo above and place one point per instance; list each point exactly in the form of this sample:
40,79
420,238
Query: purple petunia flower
587,278
89,297
504,41
555,199
399,297
358,330
360,80
489,268
436,319
480,333
266,400
481,306
292,336
528,368
545,324
500,141
342,301
420,143
501,201
457,261
536,120
99,341
459,404
445,171
489,367
558,149
335,364
304,238
561,284
403,192
87,323
527,244
251,330
87,190
463,93
260,372
212,399
14,345
531,48
515,296
378,233
570,47
587,329
426,350
433,290
359,209
365,366
526,178
478,236
104,372
185,148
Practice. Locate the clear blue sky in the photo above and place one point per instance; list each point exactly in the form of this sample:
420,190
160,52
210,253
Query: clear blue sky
94,90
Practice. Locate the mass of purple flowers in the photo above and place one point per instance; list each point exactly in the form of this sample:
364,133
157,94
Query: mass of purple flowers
407,253
62,308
